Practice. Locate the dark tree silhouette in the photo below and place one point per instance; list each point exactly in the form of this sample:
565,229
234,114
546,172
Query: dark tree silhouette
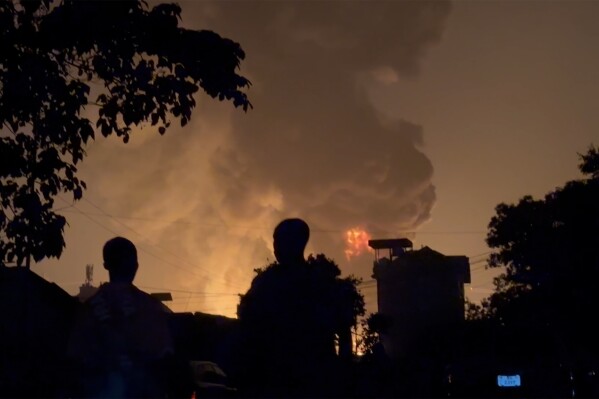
292,318
142,68
589,162
550,248
339,297
372,327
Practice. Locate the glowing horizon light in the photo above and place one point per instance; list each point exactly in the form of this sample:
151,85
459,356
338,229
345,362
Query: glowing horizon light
356,240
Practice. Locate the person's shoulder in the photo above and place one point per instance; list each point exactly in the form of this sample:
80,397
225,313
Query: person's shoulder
100,298
142,294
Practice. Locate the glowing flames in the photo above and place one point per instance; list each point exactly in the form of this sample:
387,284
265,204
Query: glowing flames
356,240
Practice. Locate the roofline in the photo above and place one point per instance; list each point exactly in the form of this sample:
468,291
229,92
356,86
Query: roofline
390,243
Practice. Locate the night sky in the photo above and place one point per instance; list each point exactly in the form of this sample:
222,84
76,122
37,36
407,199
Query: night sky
396,118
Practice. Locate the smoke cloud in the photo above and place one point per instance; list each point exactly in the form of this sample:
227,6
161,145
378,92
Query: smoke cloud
207,197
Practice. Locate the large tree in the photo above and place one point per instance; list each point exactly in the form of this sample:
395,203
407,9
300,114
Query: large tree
550,248
134,63
321,295
290,319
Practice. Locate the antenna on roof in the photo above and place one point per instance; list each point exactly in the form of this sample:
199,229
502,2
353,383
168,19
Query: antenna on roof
87,289
89,274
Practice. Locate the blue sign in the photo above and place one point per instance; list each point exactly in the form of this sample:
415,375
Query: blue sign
508,381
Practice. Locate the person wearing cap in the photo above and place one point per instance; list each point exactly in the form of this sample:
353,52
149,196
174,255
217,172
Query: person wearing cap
120,341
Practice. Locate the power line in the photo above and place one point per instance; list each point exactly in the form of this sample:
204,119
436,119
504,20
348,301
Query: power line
481,254
195,303
217,225
216,310
367,288
103,213
267,228
141,248
479,269
115,218
482,289
156,245
485,267
187,291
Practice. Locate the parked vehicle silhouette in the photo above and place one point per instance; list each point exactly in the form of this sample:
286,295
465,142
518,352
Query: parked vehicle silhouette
210,380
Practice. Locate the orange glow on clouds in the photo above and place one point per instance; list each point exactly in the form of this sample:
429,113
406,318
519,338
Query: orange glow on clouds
356,240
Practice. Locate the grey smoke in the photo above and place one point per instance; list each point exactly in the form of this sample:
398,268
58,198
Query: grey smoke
312,147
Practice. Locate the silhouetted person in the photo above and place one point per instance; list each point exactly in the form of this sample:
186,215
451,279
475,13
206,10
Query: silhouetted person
289,241
289,319
121,341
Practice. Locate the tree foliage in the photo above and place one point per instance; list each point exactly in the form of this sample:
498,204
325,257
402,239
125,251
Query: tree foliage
290,319
589,162
340,293
134,63
550,248
372,327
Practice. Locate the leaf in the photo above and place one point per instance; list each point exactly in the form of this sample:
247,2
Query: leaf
77,193
146,68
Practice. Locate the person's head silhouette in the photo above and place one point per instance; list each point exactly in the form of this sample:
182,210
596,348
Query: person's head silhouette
290,239
120,259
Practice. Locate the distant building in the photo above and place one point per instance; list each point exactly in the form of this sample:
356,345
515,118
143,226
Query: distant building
421,293
87,289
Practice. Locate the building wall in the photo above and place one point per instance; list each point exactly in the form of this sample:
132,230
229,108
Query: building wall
422,294
86,291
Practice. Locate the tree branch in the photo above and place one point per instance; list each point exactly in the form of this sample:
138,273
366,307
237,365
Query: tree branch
9,128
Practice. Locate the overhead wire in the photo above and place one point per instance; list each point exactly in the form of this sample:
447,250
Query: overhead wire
187,291
115,218
363,285
141,248
154,244
267,228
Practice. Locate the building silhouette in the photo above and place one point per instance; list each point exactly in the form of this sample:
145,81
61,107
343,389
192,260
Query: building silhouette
36,319
87,289
420,293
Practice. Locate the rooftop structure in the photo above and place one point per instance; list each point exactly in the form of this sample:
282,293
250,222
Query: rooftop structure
421,292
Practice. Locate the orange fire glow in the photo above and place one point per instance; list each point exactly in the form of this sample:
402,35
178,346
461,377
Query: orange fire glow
356,240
